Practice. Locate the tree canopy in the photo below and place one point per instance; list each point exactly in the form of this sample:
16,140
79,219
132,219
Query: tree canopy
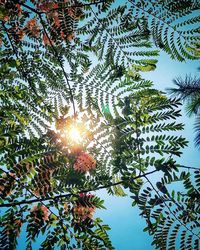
77,116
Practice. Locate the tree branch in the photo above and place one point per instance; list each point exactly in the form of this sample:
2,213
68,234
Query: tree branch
57,197
61,8
194,168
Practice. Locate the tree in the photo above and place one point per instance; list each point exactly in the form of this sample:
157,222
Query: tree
189,91
71,125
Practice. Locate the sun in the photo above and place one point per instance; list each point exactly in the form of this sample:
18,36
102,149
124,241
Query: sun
74,135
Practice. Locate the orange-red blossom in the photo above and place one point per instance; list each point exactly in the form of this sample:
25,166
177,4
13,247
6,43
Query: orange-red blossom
40,211
84,162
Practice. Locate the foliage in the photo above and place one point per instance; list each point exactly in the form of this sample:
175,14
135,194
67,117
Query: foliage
172,226
189,91
173,25
76,65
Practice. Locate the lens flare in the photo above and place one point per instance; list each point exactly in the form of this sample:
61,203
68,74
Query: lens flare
74,135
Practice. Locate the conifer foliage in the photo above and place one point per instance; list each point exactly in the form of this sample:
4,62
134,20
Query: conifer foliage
77,116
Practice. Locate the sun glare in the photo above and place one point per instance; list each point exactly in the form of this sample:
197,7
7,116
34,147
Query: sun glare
74,135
